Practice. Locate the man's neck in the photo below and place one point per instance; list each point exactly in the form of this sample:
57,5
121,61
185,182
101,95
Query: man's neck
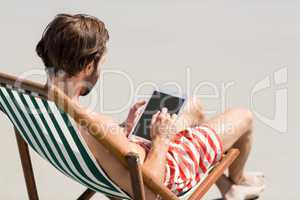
69,85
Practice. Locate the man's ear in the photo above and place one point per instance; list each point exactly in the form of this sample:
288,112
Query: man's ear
89,69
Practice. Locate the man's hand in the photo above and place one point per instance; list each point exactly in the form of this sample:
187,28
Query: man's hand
162,131
163,126
133,114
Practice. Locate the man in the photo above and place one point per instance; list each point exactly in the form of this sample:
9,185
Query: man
73,49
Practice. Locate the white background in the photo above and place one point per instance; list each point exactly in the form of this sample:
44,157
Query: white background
220,42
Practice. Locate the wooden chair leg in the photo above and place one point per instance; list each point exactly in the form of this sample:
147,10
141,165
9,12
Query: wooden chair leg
215,174
136,176
27,167
86,195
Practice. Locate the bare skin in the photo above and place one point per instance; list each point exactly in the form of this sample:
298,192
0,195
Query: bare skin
235,128
238,185
73,87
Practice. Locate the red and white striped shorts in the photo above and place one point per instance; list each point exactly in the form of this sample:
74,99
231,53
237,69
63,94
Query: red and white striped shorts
190,155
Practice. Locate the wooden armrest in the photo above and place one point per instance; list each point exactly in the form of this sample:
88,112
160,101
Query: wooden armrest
137,183
139,175
215,174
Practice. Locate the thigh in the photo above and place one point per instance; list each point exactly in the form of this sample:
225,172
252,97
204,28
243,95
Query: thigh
231,125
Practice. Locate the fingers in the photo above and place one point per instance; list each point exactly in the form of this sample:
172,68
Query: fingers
138,104
163,124
174,117
164,110
154,117
164,115
136,108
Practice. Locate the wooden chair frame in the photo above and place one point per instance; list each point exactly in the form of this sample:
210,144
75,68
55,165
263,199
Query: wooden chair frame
139,175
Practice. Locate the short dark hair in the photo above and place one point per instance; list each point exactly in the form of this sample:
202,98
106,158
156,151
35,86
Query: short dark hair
70,42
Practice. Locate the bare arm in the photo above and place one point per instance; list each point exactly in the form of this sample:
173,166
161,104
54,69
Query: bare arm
156,159
115,134
162,131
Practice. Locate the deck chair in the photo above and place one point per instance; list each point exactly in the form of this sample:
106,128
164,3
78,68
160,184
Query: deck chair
46,120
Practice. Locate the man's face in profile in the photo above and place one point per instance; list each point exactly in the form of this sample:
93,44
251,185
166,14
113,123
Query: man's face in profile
90,81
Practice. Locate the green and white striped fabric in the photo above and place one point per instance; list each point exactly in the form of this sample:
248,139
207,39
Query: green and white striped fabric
53,134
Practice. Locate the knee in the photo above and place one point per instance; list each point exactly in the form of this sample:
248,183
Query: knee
246,117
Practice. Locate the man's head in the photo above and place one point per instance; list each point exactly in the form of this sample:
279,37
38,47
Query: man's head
74,45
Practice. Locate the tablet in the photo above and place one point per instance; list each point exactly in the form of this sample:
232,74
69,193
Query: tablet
157,101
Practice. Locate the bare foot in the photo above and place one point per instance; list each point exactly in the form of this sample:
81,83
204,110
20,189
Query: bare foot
241,192
253,179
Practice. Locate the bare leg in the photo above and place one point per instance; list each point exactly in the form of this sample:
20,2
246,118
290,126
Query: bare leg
224,184
234,125
235,128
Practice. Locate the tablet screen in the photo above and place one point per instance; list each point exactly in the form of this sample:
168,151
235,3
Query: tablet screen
157,101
